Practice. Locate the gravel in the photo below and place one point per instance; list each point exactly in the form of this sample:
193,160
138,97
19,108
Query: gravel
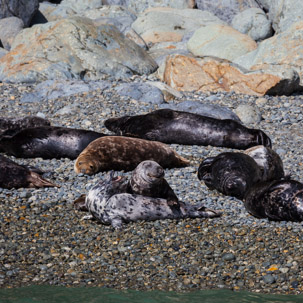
43,240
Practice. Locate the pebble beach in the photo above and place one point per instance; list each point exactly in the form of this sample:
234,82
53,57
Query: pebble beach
43,240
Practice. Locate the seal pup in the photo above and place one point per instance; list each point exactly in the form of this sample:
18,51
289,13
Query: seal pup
269,162
230,173
280,200
124,153
108,205
169,126
48,142
147,179
13,175
10,126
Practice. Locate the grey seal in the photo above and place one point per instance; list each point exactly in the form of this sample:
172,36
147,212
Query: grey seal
230,173
169,126
13,175
48,142
109,205
276,200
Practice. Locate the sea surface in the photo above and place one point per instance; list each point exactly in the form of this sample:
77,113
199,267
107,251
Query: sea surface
56,294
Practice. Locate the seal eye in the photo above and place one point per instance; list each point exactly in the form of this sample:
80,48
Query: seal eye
91,167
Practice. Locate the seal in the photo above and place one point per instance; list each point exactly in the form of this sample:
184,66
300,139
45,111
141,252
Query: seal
279,200
124,153
108,205
269,162
147,179
169,126
10,126
48,142
14,175
230,173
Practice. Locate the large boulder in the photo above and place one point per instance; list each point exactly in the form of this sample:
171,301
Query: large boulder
226,9
169,24
220,41
283,13
73,49
284,50
140,6
186,73
9,28
24,10
254,23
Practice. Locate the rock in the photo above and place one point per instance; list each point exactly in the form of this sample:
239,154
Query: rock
282,51
141,92
73,49
204,109
220,41
140,6
3,52
283,13
225,9
80,5
248,113
168,92
54,12
9,28
53,89
169,24
269,279
254,23
186,73
24,10
228,257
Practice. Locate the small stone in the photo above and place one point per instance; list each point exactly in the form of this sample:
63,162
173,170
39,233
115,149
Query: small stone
269,279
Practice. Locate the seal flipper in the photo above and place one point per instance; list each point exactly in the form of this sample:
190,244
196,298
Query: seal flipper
117,223
209,213
35,180
80,204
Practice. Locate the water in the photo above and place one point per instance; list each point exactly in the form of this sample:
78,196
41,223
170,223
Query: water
56,294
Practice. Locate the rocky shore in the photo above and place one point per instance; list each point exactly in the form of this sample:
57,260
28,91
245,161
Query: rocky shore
44,241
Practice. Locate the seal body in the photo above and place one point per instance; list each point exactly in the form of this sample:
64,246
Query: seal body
108,205
230,173
10,126
148,180
124,153
169,126
269,162
48,142
13,175
276,200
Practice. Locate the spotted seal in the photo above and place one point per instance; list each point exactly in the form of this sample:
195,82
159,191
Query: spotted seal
124,153
108,205
13,175
169,126
10,126
48,142
268,160
280,200
230,173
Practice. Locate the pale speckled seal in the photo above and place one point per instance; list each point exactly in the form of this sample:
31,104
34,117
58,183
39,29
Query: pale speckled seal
124,153
280,200
147,179
230,173
13,175
269,162
10,126
48,142
106,204
169,126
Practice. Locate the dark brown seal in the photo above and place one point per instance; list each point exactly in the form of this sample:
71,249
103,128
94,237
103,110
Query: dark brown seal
169,126
13,175
276,200
230,173
108,205
10,126
268,160
48,142
124,153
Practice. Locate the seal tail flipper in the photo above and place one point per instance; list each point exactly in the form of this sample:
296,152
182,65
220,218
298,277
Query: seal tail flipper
208,213
80,204
35,180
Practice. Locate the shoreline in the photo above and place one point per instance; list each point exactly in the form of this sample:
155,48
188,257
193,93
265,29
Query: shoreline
44,241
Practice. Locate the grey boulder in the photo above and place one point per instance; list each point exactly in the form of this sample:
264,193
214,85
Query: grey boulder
9,28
